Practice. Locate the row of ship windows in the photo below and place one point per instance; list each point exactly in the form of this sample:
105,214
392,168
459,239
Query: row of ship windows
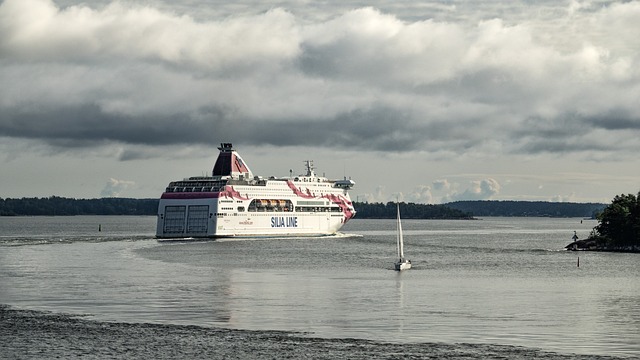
286,209
317,209
178,189
216,188
301,213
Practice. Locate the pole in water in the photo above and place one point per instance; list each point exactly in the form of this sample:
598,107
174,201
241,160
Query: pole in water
99,227
578,261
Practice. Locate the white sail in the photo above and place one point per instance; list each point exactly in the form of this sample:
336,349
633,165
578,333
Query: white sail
402,263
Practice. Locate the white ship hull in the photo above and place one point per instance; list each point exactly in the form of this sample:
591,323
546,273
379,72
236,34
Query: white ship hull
232,206
180,218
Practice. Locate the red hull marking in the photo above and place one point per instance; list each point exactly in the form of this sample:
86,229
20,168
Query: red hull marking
343,204
238,165
336,199
230,192
298,192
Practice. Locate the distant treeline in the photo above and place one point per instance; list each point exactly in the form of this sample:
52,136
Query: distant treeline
408,211
55,205
59,206
528,208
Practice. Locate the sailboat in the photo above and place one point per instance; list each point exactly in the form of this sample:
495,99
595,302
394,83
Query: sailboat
402,263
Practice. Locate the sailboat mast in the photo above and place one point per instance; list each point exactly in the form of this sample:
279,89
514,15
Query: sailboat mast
400,241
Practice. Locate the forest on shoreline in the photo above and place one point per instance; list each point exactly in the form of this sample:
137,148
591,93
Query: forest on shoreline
528,208
618,227
61,206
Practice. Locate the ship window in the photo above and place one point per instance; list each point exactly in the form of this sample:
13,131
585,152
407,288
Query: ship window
240,208
270,205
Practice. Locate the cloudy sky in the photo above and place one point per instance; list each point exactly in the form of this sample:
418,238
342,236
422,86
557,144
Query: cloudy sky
432,101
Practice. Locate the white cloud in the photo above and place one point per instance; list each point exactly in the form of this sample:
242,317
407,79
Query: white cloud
441,185
484,189
564,198
429,85
115,187
421,195
39,30
377,196
460,84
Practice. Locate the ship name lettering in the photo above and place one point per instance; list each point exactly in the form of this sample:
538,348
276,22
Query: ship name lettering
284,221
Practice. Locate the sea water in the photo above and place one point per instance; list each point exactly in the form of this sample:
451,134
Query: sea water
491,281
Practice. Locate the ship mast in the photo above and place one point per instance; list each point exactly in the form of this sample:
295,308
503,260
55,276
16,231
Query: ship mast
310,168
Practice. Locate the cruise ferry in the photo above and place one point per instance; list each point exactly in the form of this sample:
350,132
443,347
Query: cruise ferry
232,202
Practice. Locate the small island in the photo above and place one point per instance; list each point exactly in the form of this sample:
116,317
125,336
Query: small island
618,229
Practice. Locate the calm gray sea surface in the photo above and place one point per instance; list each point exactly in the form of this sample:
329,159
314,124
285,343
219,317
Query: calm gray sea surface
503,281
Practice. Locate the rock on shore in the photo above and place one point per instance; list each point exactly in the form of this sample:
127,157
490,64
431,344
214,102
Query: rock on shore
595,245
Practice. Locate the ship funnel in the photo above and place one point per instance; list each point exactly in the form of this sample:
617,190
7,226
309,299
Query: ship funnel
230,163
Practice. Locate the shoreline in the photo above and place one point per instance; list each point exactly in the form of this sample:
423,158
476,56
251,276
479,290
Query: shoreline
38,334
594,245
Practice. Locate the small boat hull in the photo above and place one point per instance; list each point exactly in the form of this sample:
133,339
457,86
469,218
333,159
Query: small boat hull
403,265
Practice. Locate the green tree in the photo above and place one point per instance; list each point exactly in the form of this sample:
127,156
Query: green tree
619,222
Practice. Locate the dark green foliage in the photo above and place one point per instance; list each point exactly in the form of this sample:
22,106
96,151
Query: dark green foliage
55,205
527,208
619,223
408,211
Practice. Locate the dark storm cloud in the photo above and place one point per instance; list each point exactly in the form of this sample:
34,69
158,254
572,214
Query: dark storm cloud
88,125
574,133
560,146
361,79
375,129
616,119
